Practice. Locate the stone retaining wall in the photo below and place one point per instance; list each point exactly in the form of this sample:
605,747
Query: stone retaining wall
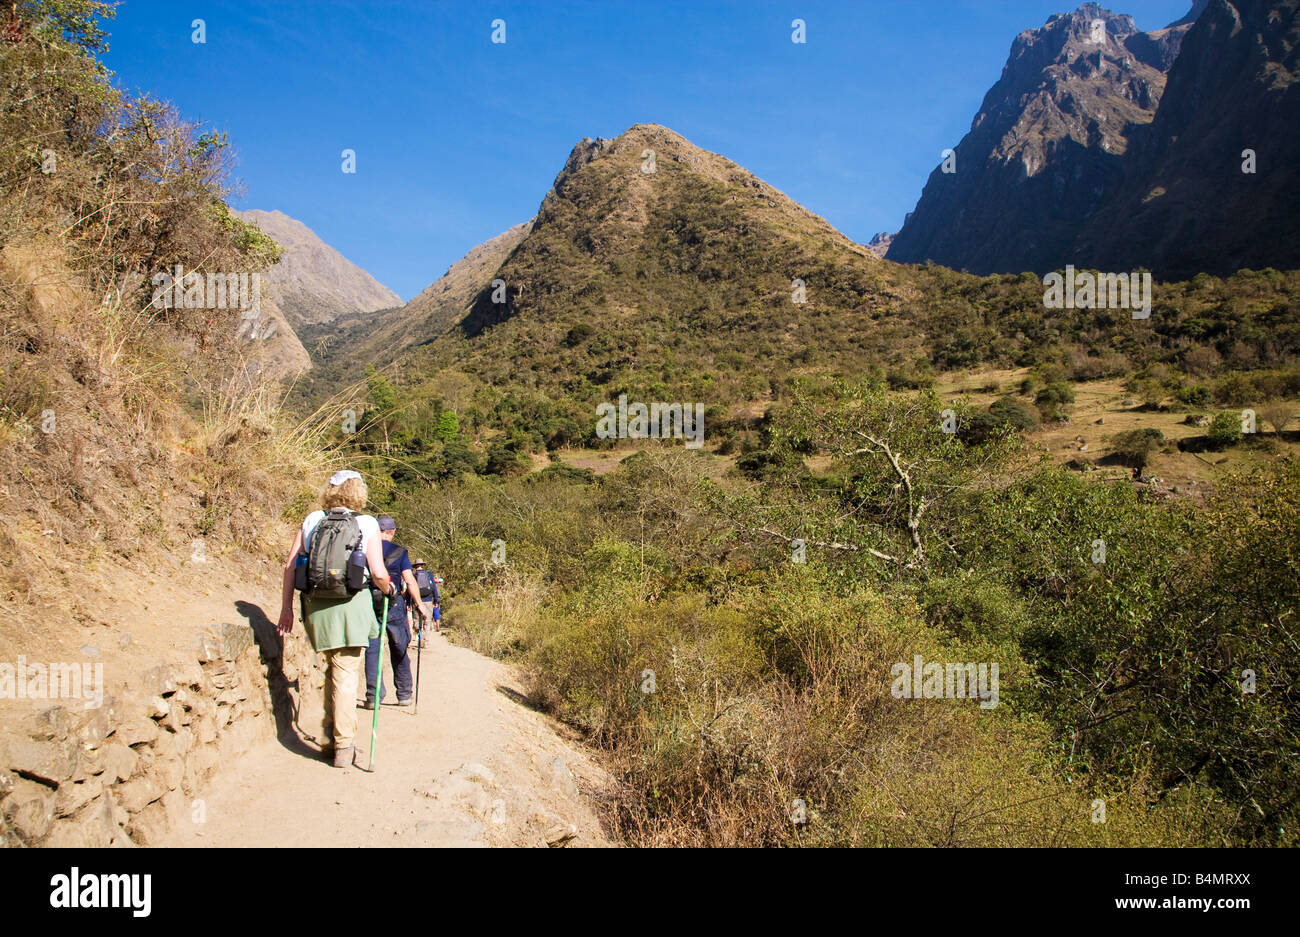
127,772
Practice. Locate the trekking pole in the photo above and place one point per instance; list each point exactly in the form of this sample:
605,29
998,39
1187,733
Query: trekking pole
419,651
379,684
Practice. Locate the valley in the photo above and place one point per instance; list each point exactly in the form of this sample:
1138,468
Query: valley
704,475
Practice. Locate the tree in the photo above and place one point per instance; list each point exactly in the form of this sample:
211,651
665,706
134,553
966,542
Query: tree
1277,415
448,427
1051,400
1225,430
383,401
1134,447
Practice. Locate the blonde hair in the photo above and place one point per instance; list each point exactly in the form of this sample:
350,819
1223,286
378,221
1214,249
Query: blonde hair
352,494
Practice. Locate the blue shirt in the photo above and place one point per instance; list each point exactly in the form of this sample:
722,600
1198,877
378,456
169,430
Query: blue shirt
396,561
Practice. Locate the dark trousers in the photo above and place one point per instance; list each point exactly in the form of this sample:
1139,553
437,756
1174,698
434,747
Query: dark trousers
399,639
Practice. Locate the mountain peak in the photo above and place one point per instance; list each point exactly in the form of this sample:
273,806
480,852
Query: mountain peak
1045,147
626,174
313,282
1198,7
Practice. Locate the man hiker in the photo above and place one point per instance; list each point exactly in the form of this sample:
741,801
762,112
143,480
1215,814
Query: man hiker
398,564
430,598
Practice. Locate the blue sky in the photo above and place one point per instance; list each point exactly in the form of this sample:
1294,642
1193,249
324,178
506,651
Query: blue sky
457,138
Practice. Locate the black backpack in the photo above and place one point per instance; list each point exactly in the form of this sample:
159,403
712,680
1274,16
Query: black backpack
424,579
335,567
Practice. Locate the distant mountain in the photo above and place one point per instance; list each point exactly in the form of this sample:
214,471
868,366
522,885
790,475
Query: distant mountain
277,350
627,220
443,302
344,346
1187,206
640,236
658,267
313,283
1128,152
880,244
1046,148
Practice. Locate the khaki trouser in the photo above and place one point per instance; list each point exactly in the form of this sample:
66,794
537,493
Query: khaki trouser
341,668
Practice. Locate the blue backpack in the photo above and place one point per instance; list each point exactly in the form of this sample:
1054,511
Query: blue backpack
424,579
394,556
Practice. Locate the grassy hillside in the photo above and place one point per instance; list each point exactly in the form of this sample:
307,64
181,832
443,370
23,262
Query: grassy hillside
129,431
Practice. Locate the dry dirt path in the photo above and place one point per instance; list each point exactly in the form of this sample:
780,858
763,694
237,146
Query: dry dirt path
475,767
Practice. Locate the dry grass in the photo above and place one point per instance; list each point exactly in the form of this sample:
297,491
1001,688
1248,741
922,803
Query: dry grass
1098,415
128,474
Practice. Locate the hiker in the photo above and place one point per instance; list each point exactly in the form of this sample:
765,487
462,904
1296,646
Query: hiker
398,564
430,597
335,552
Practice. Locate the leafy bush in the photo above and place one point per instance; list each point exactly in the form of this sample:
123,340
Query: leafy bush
1134,447
1224,431
1198,395
1051,400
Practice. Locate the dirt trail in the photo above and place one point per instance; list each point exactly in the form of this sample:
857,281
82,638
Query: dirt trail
475,767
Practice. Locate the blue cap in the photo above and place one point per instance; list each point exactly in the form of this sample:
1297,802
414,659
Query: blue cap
387,523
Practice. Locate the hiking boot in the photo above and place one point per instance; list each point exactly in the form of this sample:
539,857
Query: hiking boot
405,702
344,757
368,704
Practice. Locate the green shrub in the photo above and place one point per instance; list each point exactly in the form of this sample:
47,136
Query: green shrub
1198,395
1134,447
1224,431
1052,399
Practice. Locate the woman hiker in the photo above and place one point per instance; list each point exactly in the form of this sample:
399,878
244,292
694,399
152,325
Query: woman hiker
339,628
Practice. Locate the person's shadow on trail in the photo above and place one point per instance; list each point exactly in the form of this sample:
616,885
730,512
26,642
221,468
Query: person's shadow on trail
284,704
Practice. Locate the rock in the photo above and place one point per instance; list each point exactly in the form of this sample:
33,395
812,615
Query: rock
170,770
137,794
188,674
89,764
137,731
72,796
120,816
49,762
173,802
225,641
159,681
175,719
205,729
52,723
171,744
563,778
67,834
120,763
198,767
203,706
149,827
158,708
124,641
29,810
97,824
560,834
93,727
89,650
